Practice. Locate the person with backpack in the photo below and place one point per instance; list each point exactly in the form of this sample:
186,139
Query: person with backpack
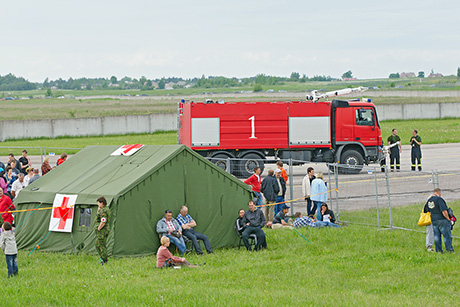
440,220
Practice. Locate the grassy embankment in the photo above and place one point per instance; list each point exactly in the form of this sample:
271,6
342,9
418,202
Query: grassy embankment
351,266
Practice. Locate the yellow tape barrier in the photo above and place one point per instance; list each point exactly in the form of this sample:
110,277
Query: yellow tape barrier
27,210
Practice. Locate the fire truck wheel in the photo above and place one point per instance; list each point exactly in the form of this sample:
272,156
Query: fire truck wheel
221,161
354,159
248,163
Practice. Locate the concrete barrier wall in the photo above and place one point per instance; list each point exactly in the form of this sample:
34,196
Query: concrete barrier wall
418,111
149,123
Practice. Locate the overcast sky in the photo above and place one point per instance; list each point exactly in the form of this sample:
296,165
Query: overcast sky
100,38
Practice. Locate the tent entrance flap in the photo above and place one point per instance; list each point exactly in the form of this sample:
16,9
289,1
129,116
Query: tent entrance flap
83,228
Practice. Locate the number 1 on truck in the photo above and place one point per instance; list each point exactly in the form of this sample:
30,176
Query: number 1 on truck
253,127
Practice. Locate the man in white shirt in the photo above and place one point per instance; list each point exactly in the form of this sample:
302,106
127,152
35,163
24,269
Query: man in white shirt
18,185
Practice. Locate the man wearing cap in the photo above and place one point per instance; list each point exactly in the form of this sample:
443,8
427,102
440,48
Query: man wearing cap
282,186
280,219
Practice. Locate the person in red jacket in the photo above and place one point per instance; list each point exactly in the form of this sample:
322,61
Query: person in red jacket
62,159
6,205
255,181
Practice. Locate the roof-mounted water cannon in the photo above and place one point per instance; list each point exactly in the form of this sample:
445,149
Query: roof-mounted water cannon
315,96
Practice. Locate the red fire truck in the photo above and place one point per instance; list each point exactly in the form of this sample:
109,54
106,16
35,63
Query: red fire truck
341,131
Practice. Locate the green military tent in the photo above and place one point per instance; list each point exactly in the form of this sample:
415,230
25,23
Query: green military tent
138,188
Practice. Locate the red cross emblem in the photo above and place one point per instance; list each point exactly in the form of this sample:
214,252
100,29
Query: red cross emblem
63,213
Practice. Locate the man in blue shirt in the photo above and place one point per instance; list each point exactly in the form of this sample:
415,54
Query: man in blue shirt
440,220
187,224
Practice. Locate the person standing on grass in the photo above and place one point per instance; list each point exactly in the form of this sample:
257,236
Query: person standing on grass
255,181
282,190
102,229
6,205
10,249
416,152
440,220
318,194
254,220
279,164
270,189
306,187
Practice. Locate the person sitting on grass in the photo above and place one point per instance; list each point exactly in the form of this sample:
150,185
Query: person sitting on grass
310,221
327,215
166,259
280,219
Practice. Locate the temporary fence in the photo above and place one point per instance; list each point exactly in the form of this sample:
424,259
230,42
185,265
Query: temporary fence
364,195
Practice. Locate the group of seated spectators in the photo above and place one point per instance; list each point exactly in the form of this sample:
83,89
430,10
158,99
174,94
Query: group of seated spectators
173,231
250,223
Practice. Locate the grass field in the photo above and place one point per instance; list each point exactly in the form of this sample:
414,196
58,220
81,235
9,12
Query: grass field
350,266
120,106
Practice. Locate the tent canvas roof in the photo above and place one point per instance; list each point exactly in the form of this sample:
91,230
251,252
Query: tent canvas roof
93,172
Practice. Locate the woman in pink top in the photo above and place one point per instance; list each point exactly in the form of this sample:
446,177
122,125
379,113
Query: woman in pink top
165,258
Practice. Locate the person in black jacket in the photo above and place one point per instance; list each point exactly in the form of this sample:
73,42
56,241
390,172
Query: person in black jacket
282,191
239,222
254,221
270,189
327,215
441,221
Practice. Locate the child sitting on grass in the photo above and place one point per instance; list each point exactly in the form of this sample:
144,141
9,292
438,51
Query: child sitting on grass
8,245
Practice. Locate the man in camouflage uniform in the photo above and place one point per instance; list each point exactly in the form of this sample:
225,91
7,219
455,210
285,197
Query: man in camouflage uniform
102,228
416,152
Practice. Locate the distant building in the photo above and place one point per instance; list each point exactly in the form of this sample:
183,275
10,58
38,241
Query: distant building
407,75
114,85
169,86
181,83
433,75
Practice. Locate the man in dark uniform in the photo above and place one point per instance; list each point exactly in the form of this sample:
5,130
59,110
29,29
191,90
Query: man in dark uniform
102,229
395,150
416,152
440,220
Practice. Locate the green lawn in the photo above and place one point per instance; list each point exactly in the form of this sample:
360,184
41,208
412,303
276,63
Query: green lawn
159,138
350,266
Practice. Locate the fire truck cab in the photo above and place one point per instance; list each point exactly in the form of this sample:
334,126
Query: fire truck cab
341,131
